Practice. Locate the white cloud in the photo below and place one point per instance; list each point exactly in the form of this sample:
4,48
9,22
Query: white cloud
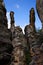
23,29
8,18
8,24
17,6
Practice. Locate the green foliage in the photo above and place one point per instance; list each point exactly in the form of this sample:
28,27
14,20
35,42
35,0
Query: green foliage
39,31
28,58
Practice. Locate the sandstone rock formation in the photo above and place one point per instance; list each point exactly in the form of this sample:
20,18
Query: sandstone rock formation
30,31
5,42
19,45
14,45
34,41
39,7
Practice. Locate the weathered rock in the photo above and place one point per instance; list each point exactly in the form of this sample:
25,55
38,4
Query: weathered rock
5,35
19,44
12,17
41,47
14,45
30,29
35,41
39,7
5,46
3,18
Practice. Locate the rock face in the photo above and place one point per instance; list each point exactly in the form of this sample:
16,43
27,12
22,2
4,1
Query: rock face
39,7
34,40
3,18
30,32
19,44
14,45
5,42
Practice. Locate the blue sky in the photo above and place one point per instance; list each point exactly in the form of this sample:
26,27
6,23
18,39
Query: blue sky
21,9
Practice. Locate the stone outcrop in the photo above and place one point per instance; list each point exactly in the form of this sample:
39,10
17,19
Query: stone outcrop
3,18
34,41
19,43
14,45
30,32
5,34
39,7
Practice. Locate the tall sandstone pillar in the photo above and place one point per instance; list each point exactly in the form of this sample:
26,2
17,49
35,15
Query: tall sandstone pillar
12,23
30,34
30,31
